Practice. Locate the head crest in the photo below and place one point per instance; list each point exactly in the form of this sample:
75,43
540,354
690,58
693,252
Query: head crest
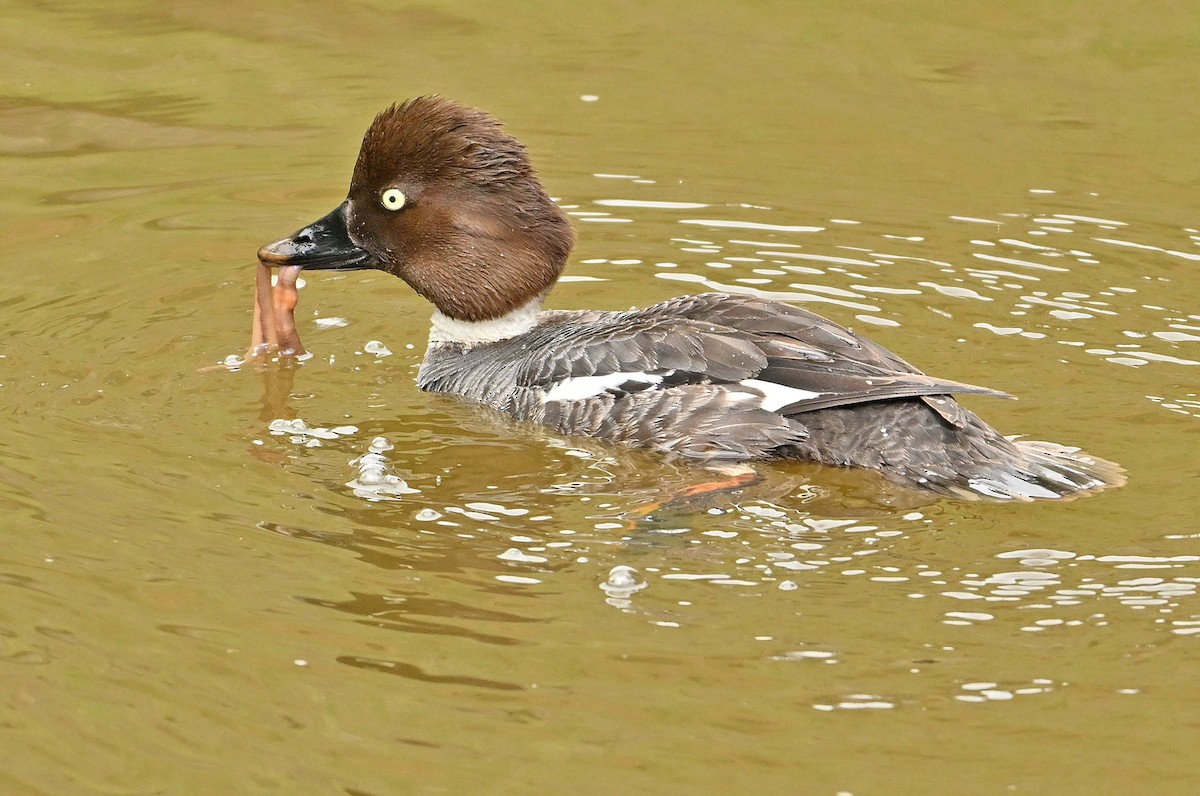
433,139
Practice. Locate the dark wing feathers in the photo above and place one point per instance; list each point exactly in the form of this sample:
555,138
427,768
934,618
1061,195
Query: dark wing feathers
718,339
846,388
633,342
809,332
950,410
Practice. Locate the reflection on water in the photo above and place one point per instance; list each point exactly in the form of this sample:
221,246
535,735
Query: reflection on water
759,544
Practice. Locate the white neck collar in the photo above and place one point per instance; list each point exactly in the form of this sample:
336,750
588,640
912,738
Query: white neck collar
469,333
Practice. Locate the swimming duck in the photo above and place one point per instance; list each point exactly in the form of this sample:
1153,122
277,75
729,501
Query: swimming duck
445,199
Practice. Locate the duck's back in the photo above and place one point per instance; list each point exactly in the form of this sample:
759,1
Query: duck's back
721,377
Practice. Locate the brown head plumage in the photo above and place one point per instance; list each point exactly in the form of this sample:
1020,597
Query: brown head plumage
474,231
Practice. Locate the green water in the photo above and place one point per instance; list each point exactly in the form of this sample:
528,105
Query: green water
190,603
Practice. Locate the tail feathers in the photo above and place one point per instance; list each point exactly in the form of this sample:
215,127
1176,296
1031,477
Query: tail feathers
1041,471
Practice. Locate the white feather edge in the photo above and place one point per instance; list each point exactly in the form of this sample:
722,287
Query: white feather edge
577,388
777,396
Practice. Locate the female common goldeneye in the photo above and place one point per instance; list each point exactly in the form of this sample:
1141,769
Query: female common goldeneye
446,200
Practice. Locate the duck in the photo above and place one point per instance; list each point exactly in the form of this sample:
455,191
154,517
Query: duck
443,197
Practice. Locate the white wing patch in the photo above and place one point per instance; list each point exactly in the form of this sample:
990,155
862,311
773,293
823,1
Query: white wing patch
777,396
774,396
1008,486
579,387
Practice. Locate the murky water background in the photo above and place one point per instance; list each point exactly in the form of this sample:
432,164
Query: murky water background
200,594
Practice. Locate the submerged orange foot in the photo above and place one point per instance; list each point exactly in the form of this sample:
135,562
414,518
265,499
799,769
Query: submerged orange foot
735,476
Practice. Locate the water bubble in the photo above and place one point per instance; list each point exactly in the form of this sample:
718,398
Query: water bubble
375,481
515,554
280,426
377,348
380,444
623,582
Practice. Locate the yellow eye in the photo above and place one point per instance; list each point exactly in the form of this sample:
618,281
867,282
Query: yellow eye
392,198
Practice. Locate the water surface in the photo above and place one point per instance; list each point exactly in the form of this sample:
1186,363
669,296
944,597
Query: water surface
202,595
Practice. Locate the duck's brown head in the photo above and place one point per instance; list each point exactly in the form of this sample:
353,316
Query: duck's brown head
446,200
